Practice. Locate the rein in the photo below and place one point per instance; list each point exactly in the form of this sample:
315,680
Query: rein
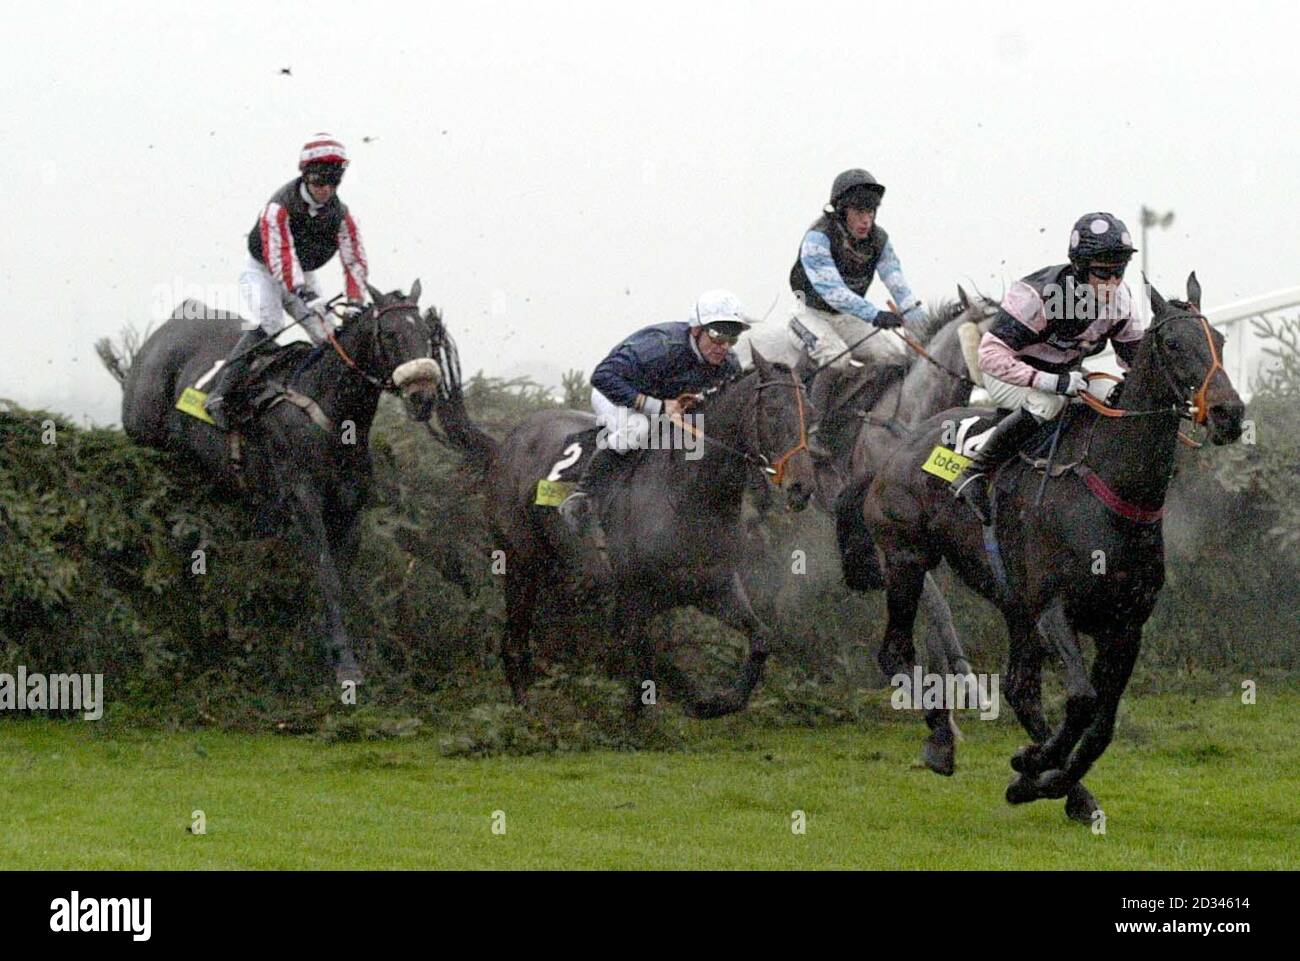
775,470
383,385
1197,407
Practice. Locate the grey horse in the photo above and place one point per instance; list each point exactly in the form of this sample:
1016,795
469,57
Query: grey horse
307,460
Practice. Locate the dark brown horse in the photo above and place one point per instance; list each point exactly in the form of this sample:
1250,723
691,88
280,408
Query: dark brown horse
312,465
1088,558
672,525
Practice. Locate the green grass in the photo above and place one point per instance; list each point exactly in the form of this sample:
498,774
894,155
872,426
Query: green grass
1188,783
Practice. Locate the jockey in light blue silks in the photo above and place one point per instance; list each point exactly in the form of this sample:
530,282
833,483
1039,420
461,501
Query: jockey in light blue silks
644,377
839,256
1049,322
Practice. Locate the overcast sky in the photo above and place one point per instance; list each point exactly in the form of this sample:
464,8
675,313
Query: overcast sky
558,174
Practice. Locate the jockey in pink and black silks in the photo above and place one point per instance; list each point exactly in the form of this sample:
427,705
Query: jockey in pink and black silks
1048,324
300,229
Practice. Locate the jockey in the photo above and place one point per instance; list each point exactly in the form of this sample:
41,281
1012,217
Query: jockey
1048,323
645,376
299,230
841,253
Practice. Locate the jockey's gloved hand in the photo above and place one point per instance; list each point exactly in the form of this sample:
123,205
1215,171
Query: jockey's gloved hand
1071,383
887,318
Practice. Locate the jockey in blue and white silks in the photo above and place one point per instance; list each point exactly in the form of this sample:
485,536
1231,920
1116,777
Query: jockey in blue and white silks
645,376
839,256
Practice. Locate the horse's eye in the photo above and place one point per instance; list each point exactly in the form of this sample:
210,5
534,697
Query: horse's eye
1174,345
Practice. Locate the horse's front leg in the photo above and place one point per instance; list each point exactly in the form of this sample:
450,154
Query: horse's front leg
1111,669
725,598
309,506
631,623
1081,698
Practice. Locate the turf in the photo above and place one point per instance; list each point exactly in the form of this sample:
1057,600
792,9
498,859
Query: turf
1188,784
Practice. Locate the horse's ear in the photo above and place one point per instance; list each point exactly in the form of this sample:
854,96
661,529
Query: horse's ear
1193,290
375,295
962,298
414,296
760,362
1158,305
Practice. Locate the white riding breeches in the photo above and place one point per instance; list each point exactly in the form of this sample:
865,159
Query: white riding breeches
1044,405
835,332
624,429
262,297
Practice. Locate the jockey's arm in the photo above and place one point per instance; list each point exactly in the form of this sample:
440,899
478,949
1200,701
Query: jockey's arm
819,265
353,257
614,376
890,271
1018,324
278,249
1125,342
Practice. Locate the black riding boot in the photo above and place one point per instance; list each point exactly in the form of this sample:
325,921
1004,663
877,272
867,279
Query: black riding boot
971,485
576,509
230,378
821,395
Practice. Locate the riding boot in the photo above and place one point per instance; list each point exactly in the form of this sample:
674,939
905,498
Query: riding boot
230,378
578,509
820,395
971,485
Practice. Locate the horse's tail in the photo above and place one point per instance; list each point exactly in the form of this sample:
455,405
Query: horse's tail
112,359
478,447
858,560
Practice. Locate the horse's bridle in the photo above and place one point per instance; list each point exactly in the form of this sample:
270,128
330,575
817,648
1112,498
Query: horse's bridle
376,312
1197,407
774,470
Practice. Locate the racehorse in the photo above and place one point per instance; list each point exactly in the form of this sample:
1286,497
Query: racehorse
307,458
672,526
1081,552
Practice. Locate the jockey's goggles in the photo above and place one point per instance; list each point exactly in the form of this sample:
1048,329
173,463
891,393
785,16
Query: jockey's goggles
324,177
722,337
1107,271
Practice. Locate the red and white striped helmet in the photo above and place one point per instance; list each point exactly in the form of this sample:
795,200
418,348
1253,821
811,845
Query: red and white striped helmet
322,149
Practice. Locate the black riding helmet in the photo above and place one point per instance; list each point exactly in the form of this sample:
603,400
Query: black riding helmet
855,188
1100,237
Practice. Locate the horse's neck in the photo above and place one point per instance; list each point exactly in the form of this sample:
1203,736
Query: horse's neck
1135,455
342,393
717,475
925,389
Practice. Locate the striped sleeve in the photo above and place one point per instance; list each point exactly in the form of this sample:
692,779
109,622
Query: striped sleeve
356,271
819,265
277,247
890,271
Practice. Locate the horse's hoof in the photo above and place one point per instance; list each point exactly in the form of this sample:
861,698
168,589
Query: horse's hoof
940,758
715,705
1022,790
1054,783
1028,759
1080,805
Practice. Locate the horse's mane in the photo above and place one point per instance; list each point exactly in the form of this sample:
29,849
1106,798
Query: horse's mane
720,388
936,318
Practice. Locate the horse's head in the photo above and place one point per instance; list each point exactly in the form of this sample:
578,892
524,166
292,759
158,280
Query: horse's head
391,345
1189,353
783,416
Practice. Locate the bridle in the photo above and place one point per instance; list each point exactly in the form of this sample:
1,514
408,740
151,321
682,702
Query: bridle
773,469
1196,408
386,384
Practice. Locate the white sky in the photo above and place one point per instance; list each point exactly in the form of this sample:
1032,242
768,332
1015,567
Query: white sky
559,174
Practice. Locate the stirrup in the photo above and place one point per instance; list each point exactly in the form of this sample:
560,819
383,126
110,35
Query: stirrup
977,498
